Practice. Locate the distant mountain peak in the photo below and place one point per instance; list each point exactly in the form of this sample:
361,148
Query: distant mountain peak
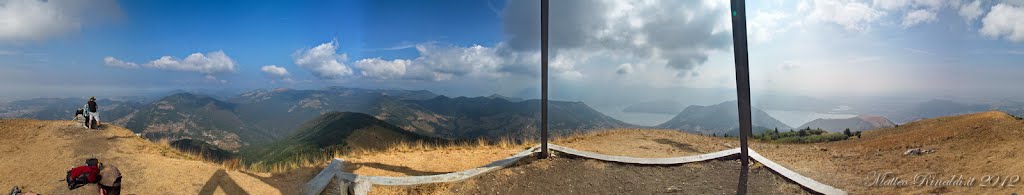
499,96
719,118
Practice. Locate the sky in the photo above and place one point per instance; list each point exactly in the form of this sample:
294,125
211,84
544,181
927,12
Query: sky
604,52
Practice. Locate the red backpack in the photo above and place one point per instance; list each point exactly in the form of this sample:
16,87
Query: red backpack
79,176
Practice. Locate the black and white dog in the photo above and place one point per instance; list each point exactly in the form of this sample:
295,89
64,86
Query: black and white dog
79,112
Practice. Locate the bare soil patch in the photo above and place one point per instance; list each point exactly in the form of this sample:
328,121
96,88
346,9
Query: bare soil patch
566,174
429,162
647,143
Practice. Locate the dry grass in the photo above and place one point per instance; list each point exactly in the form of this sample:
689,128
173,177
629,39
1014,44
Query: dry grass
234,164
36,154
646,143
972,145
320,159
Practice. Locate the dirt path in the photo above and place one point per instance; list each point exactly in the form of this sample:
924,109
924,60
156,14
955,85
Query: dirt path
647,143
37,154
572,175
426,162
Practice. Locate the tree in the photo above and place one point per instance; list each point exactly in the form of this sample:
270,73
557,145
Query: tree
858,134
847,132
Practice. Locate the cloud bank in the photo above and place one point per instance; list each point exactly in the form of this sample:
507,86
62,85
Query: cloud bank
38,20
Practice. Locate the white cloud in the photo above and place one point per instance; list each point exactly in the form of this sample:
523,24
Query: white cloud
382,69
445,62
766,24
213,79
917,17
274,71
971,11
904,4
475,60
209,63
675,35
851,15
37,19
788,65
890,4
1004,21
323,61
114,62
918,51
679,35
624,69
436,62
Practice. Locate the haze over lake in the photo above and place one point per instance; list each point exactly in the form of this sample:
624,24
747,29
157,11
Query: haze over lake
798,118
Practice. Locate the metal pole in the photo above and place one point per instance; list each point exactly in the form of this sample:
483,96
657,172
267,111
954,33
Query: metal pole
739,43
544,78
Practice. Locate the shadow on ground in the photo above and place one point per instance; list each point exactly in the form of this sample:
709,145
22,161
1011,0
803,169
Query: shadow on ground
677,145
393,168
223,180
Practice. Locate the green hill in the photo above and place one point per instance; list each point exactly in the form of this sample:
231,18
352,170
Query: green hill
333,131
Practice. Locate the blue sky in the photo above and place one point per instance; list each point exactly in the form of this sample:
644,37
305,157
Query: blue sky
251,33
603,52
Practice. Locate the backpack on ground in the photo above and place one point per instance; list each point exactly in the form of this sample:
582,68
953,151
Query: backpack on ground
82,175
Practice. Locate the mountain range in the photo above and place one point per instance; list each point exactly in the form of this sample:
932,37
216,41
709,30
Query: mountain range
260,117
265,116
191,116
64,108
719,119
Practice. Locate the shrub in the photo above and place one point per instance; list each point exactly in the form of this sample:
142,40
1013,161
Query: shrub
802,136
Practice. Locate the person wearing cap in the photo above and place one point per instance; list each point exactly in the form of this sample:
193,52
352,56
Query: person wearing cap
92,109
